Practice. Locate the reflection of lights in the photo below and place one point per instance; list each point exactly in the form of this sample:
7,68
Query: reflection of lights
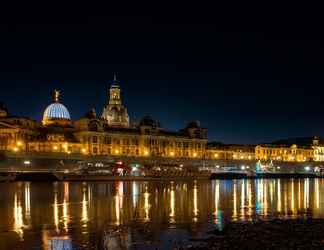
27,200
195,210
278,167
234,202
243,199
55,212
292,197
117,210
249,194
307,168
299,191
306,193
279,196
317,193
65,206
84,207
265,198
172,204
243,167
18,217
135,191
146,205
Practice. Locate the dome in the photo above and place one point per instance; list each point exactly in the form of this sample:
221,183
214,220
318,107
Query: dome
56,113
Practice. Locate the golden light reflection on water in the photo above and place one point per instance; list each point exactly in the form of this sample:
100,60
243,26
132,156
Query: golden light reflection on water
89,206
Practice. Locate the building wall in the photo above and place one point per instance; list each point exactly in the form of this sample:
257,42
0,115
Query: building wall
284,153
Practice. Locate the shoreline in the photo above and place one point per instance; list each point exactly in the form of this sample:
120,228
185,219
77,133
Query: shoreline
265,234
52,176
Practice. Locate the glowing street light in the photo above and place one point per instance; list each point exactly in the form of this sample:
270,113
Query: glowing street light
171,153
146,152
194,154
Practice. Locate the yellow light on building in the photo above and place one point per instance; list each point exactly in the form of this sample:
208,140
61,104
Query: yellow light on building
216,155
84,151
242,157
194,154
19,143
116,151
234,156
65,145
249,157
146,152
15,149
55,148
171,153
69,152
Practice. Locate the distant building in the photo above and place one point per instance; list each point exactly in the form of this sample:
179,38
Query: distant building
230,151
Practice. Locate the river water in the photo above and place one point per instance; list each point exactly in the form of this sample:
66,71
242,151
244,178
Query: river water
143,215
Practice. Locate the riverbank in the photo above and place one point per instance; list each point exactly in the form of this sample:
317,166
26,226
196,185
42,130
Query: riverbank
274,234
57,176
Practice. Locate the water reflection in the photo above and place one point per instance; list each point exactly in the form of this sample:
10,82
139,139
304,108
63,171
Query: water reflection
65,211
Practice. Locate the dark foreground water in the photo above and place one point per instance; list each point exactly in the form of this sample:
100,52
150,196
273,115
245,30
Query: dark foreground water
143,215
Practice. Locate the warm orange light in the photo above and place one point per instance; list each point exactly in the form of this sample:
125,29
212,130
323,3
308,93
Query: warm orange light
117,151
194,154
215,155
15,149
55,148
146,152
171,153
84,150
19,143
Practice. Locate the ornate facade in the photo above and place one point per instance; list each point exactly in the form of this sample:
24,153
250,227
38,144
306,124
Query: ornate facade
288,153
108,135
114,112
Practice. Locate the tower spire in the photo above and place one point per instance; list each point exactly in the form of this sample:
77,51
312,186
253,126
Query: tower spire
115,81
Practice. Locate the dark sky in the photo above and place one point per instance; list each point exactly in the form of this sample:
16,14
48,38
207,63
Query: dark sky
249,73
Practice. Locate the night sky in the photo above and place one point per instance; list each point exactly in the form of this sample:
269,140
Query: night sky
250,74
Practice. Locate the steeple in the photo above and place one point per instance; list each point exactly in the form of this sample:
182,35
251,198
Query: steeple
115,82
114,112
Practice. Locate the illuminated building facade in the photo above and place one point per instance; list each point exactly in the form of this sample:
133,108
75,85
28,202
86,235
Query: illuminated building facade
108,135
230,151
287,153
